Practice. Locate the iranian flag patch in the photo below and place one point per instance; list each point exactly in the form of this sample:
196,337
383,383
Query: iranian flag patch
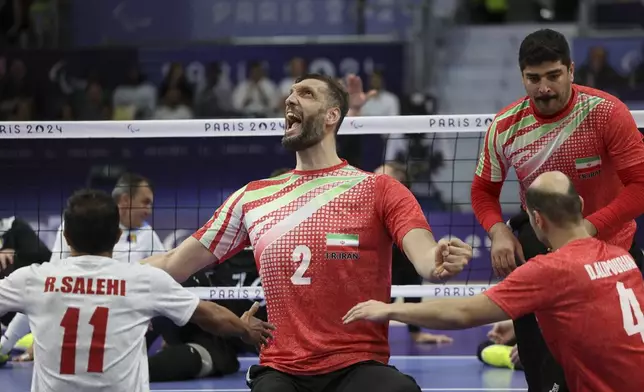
588,167
342,243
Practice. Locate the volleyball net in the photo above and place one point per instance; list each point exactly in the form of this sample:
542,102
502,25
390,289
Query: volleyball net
195,165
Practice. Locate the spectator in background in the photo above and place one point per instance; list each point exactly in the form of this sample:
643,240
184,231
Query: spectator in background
135,98
14,88
14,21
256,96
213,99
172,107
383,102
176,79
297,68
597,72
92,106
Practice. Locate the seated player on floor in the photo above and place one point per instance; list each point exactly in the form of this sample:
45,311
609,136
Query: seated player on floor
75,298
586,295
189,352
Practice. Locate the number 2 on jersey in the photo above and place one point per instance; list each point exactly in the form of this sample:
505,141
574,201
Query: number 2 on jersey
631,311
302,255
70,337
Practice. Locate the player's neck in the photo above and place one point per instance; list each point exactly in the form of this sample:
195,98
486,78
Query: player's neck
559,238
320,156
74,253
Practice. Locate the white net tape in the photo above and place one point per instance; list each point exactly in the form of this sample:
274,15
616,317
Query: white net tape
468,123
474,123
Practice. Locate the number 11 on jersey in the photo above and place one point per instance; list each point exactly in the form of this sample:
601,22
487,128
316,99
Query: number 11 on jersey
70,339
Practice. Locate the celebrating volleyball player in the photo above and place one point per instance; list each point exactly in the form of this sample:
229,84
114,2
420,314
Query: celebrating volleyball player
587,295
90,312
322,235
585,133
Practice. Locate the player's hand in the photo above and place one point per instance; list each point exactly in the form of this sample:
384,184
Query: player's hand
505,249
6,258
370,310
430,338
451,257
502,332
514,356
258,331
357,96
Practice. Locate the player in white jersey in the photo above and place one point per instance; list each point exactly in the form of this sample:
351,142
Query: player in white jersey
134,196
90,313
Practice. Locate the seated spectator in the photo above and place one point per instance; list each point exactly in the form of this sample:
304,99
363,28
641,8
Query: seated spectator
135,98
256,96
172,107
176,79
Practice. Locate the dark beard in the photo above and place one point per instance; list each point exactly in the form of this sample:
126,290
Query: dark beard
311,133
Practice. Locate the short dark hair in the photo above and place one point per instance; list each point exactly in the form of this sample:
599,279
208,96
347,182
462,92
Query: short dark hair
336,94
562,209
91,222
544,46
128,184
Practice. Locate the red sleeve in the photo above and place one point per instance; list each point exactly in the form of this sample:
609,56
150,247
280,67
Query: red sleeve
526,290
398,209
489,176
623,142
485,202
622,139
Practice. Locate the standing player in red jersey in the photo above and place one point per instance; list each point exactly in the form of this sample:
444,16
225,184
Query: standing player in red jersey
322,235
585,133
587,295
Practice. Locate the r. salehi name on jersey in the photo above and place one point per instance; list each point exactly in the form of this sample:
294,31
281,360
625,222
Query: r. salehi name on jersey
86,286
342,246
605,269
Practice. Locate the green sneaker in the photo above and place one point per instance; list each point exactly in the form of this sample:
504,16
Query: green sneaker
498,355
4,358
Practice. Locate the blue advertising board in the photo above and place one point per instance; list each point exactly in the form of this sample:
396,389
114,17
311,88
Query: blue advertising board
142,22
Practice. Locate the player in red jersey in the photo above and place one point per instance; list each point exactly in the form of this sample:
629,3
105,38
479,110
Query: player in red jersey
585,133
322,236
587,295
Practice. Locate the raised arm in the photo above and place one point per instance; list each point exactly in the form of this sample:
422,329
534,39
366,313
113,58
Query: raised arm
220,238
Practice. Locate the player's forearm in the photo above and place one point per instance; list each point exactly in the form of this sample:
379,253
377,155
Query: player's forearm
628,205
447,313
219,321
485,202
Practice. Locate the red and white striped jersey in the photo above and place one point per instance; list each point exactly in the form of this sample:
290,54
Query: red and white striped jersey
323,243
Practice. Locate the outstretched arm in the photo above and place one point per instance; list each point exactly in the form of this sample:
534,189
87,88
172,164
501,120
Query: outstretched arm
525,290
183,261
443,313
404,219
220,238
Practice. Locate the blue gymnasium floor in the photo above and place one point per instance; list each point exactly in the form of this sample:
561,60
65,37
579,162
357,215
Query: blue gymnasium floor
448,367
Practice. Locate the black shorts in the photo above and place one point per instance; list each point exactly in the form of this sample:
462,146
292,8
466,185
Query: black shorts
362,377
